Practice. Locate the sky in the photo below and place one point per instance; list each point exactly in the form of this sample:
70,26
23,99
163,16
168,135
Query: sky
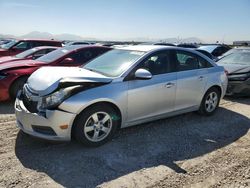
208,20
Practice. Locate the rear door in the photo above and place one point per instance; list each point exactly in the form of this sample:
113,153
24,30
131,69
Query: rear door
191,79
155,96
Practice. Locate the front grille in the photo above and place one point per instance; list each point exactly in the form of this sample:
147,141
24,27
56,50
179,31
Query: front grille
31,106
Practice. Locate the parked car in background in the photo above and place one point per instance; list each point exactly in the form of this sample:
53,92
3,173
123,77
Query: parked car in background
157,43
33,53
13,75
207,54
238,67
17,46
164,44
79,43
215,49
234,50
120,88
5,41
187,45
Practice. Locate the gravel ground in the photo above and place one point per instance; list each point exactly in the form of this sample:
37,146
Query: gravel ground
183,151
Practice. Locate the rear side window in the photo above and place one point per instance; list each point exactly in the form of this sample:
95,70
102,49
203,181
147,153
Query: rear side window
189,61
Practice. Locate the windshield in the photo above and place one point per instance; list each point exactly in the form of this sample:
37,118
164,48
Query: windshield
26,53
54,55
242,58
9,44
114,62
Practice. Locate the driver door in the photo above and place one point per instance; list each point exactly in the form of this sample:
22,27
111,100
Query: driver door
155,96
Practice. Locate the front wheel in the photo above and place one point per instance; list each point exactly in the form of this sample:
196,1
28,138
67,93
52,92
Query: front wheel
96,125
210,102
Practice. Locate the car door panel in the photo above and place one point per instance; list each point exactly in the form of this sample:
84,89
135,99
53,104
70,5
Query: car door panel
191,80
190,88
147,98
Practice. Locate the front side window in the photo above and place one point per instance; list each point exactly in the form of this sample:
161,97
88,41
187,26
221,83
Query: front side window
114,62
158,63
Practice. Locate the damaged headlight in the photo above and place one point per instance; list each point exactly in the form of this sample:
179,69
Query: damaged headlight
55,99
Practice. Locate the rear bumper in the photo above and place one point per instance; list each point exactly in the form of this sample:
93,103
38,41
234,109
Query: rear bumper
239,87
46,126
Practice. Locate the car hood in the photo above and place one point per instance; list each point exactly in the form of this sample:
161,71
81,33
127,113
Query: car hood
236,69
47,79
19,64
2,50
7,59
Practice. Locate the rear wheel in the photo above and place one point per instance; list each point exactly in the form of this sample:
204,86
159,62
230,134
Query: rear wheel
16,86
96,125
210,102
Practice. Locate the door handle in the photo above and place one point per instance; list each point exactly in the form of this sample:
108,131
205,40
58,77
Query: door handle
169,85
200,78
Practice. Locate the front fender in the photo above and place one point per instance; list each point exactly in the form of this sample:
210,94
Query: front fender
115,93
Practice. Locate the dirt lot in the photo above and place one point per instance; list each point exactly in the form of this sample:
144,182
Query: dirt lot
183,151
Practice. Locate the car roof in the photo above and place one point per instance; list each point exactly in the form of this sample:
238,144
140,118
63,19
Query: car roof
45,40
76,47
46,47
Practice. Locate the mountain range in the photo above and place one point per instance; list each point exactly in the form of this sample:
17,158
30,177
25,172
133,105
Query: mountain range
67,36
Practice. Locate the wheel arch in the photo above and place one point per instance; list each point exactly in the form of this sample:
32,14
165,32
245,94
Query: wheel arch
109,103
15,80
215,86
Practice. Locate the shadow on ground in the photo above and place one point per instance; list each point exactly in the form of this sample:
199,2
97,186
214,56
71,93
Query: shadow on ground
242,100
7,108
158,143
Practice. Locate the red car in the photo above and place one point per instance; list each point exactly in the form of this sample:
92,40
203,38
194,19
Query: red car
17,46
33,53
13,75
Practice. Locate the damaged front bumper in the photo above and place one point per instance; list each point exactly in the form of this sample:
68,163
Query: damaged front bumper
239,88
51,125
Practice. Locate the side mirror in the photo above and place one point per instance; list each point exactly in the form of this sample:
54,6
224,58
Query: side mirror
67,61
30,57
143,74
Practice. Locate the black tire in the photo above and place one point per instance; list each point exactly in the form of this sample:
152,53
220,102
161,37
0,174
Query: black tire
83,117
16,86
203,108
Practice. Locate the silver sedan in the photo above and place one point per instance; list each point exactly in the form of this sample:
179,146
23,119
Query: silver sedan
124,87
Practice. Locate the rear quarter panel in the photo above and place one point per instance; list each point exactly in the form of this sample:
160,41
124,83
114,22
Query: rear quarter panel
217,77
